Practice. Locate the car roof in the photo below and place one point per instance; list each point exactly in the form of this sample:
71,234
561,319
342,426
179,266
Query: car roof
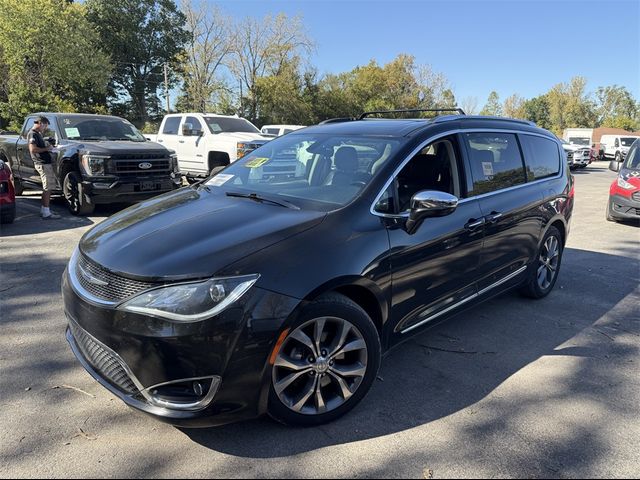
411,127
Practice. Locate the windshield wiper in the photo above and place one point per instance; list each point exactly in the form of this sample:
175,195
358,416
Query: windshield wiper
257,198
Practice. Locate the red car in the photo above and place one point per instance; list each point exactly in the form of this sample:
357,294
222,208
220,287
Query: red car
624,195
7,194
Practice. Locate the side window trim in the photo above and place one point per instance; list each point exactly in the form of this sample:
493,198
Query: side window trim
179,117
464,154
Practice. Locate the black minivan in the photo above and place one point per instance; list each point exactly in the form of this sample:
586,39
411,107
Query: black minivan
276,285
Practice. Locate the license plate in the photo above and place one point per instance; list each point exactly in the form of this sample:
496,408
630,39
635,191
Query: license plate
147,186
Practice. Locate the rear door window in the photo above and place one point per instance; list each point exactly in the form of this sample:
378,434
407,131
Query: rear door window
541,156
496,162
171,126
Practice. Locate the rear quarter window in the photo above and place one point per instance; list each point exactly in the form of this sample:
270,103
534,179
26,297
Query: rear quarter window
541,156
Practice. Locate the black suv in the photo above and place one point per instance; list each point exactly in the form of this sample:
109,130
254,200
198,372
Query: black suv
253,292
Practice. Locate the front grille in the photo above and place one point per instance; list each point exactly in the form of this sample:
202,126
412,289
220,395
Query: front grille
102,359
636,196
103,284
131,168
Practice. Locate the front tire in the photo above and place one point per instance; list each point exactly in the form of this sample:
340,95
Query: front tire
326,364
18,186
543,273
77,203
610,217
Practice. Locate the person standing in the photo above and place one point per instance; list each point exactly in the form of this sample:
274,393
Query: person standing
41,155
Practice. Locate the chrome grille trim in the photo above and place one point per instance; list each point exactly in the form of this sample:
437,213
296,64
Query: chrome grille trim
104,360
103,284
636,196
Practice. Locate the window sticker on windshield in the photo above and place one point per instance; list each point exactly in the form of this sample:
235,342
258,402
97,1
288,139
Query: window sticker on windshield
72,132
256,162
220,179
487,169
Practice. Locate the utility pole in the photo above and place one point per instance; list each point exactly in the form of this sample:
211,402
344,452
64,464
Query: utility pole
166,86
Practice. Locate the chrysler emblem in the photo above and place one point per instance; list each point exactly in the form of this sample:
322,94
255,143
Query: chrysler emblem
145,165
91,278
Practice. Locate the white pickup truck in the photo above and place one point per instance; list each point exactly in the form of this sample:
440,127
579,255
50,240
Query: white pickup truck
203,141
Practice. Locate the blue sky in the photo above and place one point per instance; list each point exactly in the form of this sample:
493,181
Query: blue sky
522,47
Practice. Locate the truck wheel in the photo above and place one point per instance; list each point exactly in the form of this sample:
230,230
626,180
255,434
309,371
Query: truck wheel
218,159
609,216
17,185
77,202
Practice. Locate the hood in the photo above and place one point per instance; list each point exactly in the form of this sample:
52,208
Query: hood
190,233
575,148
246,137
116,148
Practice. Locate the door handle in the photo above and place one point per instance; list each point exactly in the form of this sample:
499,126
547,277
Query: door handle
493,218
159,141
474,224
180,141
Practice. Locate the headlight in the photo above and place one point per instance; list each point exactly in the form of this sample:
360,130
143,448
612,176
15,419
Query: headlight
622,183
94,165
191,302
174,162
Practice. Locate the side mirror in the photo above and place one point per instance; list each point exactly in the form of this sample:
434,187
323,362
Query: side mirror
429,203
614,165
187,129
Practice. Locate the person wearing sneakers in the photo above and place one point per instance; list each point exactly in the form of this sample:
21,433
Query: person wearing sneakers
41,156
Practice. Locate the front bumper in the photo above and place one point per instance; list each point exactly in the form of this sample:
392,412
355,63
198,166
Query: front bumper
128,191
129,353
624,208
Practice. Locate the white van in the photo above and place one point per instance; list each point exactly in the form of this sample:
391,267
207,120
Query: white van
278,130
616,146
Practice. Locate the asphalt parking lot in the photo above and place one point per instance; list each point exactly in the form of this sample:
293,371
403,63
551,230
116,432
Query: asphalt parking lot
515,388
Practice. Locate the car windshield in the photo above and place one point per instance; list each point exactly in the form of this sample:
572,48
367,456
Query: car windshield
580,141
633,157
627,141
79,127
315,171
225,124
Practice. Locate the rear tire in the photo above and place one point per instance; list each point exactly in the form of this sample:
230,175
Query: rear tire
543,273
326,364
76,200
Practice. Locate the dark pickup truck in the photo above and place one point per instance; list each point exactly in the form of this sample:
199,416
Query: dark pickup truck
97,159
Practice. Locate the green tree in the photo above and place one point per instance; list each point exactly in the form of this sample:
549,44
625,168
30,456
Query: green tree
40,69
615,105
570,106
281,97
492,107
537,110
141,37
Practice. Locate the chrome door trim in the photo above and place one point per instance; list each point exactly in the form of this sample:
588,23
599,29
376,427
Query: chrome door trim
468,299
432,139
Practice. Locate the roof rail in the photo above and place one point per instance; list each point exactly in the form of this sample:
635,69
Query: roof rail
488,117
458,110
337,120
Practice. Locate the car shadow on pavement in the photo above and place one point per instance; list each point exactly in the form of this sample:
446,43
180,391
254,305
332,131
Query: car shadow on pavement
28,220
580,333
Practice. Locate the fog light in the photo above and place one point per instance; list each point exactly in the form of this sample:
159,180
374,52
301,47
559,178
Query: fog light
185,394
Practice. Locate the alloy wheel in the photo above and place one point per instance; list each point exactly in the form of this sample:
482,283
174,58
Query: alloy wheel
548,264
320,366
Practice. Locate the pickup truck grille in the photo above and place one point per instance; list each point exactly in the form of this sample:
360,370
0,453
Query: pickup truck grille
135,165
